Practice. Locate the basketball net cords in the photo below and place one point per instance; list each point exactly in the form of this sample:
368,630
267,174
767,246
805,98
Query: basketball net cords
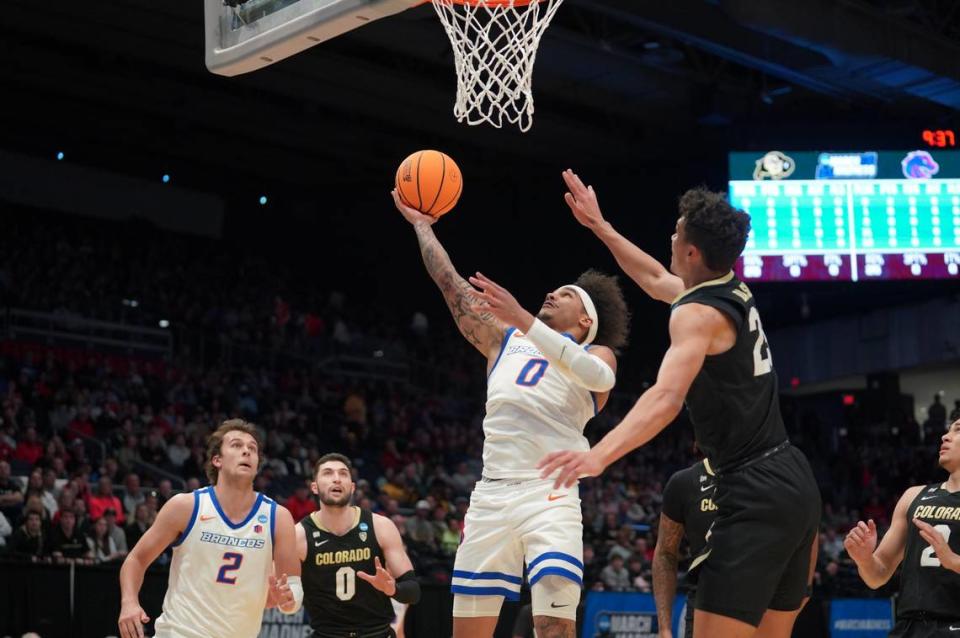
494,50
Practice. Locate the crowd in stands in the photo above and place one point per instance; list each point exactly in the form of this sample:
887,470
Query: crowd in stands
92,446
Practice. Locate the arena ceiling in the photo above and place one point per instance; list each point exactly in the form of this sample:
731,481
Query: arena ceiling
617,81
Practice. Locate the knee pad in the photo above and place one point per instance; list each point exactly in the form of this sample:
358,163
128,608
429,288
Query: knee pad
556,596
476,606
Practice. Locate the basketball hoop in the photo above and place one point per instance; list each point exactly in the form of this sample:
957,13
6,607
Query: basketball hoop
494,47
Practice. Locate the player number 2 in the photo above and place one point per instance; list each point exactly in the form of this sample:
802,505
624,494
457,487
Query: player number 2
346,583
762,363
231,563
928,557
532,372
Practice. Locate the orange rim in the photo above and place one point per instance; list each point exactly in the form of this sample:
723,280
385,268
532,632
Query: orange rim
495,4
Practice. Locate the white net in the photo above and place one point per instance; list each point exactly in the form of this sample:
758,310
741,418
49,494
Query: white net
494,47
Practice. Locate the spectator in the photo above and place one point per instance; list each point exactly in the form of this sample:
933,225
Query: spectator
164,492
83,518
831,544
104,499
178,452
11,494
637,572
116,533
5,531
29,539
937,416
615,576
420,528
450,539
66,541
139,525
35,486
101,542
300,502
623,547
132,494
29,448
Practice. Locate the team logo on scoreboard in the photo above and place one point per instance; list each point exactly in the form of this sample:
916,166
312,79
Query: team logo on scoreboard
774,165
847,165
919,165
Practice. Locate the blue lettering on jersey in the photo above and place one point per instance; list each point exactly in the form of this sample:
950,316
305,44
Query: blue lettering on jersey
231,541
524,349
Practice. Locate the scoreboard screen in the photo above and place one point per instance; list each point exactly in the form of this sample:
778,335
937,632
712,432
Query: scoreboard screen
834,216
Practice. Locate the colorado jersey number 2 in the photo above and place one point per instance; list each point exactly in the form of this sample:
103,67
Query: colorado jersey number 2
762,360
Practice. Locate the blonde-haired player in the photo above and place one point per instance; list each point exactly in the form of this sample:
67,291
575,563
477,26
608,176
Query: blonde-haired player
226,540
547,376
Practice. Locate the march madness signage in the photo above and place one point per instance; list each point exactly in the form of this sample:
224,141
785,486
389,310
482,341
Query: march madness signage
861,618
279,625
625,615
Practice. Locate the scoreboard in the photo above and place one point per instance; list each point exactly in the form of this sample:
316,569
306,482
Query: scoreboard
848,216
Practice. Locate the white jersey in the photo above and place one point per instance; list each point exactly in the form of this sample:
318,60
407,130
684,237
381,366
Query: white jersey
532,409
219,573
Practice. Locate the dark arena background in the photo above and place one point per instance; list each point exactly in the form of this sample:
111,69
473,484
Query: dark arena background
179,247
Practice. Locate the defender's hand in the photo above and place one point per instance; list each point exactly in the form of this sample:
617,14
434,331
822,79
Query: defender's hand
948,558
571,465
382,580
861,541
279,592
582,201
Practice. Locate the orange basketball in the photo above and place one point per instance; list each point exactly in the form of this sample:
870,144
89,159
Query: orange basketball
430,182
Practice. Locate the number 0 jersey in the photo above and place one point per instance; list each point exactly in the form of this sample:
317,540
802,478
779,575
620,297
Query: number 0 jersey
532,409
926,587
219,573
733,401
337,601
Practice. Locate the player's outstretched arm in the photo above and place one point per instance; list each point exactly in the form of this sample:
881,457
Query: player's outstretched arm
877,564
397,580
172,520
481,329
666,557
647,272
692,328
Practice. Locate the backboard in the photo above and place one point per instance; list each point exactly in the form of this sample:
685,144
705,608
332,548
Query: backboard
243,36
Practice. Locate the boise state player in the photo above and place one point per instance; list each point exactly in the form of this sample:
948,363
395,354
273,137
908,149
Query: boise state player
226,540
754,576
924,539
547,376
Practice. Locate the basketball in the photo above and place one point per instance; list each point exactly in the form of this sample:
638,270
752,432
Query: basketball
429,181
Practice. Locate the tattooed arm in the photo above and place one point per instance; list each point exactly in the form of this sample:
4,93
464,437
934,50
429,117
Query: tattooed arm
482,330
665,559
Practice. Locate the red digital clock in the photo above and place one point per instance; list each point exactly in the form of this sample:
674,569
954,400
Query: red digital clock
939,138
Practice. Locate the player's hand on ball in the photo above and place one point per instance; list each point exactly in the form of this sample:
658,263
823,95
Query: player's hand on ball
382,580
861,541
132,619
582,201
279,592
412,215
571,466
948,558
498,301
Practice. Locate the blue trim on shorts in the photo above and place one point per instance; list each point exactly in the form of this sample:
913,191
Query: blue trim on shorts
485,591
503,346
516,580
193,519
557,555
556,571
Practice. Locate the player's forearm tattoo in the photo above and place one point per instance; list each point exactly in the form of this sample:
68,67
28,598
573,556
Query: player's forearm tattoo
550,627
478,328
